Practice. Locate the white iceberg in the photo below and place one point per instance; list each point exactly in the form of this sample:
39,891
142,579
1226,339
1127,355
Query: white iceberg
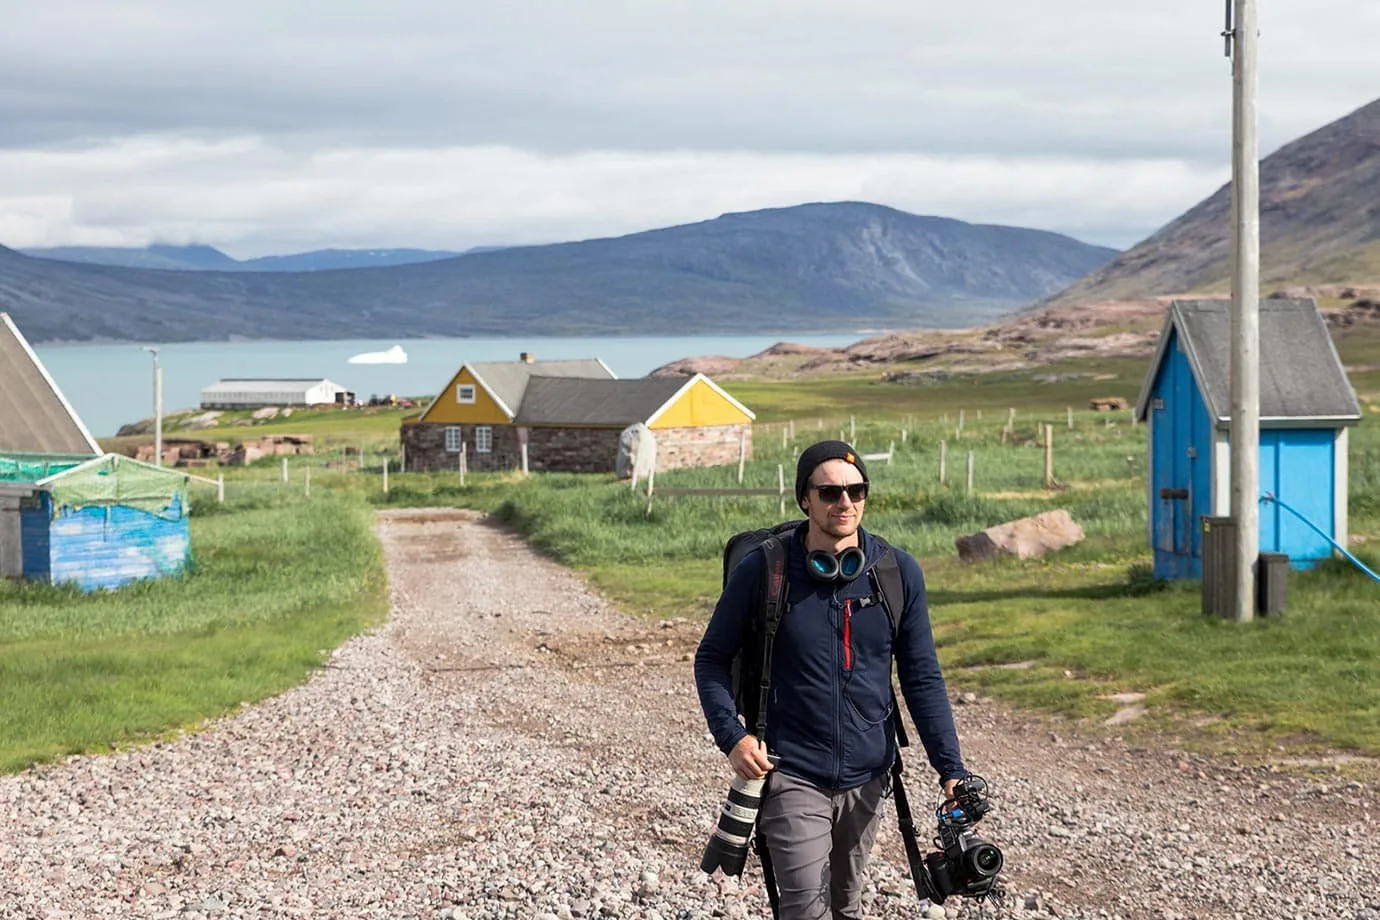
394,355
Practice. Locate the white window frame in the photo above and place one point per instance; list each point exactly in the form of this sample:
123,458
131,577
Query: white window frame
464,393
454,438
483,439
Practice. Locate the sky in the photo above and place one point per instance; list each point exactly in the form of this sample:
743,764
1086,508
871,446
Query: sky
271,126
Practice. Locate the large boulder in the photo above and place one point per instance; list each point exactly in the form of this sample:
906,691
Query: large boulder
1026,538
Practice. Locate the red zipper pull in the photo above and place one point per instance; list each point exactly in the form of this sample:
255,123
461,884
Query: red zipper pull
848,635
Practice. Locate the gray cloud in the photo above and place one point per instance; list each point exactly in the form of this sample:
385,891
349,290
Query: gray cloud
543,95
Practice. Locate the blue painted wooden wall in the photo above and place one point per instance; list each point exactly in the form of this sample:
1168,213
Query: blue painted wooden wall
1181,435
104,547
1298,466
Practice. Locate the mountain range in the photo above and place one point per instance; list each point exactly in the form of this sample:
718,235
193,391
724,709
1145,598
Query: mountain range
208,258
1319,224
845,266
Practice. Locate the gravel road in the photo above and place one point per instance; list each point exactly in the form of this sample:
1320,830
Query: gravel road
509,746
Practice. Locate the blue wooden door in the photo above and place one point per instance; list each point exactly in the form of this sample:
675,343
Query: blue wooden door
1175,461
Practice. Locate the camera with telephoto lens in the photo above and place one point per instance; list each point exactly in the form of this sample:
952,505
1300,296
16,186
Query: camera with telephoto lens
727,848
966,865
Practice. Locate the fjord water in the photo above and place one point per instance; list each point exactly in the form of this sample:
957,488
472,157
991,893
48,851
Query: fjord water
112,385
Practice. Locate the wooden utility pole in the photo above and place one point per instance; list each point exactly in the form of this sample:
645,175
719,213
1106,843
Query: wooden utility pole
1243,39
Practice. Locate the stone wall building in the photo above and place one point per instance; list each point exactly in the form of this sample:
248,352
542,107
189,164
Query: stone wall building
568,416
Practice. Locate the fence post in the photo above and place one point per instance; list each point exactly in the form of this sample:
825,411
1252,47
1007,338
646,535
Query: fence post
524,459
852,430
742,455
385,475
1011,421
1049,456
285,475
220,488
970,473
651,484
943,461
792,429
464,462
959,433
903,437
1070,418
306,480
781,487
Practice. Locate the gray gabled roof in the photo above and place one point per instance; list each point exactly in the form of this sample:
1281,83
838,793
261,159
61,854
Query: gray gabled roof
507,381
596,403
35,418
1301,376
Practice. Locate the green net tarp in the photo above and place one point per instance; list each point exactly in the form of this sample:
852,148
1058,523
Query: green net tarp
16,467
118,480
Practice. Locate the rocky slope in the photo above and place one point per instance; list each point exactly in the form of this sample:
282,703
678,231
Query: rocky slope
1319,223
1050,335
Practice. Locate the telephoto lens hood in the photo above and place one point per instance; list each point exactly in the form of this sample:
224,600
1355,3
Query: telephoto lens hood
727,848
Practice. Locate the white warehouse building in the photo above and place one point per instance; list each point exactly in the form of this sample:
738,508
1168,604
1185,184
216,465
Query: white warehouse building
256,393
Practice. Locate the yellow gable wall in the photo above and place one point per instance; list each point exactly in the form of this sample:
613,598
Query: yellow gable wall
483,411
701,406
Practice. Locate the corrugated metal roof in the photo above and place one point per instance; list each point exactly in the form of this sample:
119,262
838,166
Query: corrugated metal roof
262,385
35,418
598,403
1301,375
507,380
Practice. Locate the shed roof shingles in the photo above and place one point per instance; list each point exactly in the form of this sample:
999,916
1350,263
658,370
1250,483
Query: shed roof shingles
1301,376
33,416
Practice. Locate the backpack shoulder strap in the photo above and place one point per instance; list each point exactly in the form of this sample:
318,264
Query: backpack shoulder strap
773,608
886,579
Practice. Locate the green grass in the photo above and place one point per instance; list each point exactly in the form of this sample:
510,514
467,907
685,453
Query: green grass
1081,625
275,585
279,579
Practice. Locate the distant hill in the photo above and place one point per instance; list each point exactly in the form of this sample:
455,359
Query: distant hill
207,258
835,267
173,258
1319,223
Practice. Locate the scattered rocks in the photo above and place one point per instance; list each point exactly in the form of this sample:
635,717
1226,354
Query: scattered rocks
442,766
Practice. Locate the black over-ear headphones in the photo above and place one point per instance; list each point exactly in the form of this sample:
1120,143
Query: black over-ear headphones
845,566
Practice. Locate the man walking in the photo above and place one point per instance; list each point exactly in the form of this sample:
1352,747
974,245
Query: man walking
830,710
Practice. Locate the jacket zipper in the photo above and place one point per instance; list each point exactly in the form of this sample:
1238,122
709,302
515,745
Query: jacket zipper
848,635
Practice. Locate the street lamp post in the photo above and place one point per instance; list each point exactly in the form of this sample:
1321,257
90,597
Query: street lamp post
157,406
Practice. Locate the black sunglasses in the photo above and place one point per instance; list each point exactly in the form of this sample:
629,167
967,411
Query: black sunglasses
857,492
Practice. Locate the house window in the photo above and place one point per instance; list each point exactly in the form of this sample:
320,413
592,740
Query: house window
453,439
464,393
483,440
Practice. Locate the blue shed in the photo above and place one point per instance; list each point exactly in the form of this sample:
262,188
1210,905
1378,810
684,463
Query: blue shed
68,513
105,523
1306,407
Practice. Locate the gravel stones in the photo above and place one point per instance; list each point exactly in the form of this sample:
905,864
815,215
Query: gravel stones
508,746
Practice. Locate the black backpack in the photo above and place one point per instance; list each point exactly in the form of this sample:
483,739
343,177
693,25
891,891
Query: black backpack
752,665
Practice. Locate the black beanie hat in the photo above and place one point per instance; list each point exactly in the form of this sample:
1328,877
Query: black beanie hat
816,454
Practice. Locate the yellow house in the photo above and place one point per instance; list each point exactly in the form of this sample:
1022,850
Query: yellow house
568,415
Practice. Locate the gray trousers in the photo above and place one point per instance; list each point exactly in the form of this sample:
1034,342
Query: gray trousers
820,841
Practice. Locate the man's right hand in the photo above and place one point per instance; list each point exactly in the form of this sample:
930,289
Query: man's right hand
749,758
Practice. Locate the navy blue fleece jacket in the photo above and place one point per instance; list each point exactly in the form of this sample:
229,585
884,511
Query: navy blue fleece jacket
829,715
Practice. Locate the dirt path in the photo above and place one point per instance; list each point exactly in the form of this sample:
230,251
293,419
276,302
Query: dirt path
508,746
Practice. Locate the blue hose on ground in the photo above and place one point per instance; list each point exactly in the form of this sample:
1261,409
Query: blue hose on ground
1267,498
